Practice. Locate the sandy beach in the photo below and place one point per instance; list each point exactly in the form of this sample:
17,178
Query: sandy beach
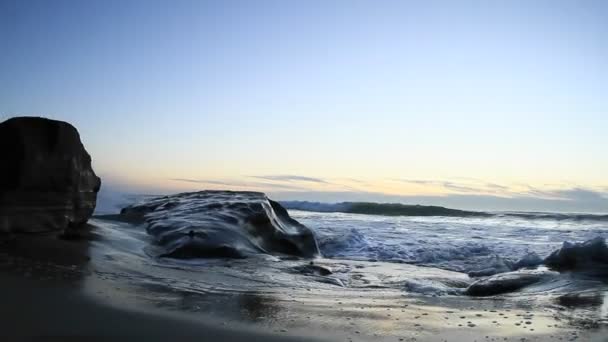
57,288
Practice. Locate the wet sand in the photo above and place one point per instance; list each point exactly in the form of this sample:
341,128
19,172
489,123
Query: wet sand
56,288
42,285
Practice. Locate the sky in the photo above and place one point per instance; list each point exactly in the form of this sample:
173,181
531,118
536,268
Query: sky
496,105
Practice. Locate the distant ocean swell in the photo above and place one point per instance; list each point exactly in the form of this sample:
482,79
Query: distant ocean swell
397,209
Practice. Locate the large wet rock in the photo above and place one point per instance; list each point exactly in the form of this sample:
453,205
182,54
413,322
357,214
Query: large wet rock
46,179
222,224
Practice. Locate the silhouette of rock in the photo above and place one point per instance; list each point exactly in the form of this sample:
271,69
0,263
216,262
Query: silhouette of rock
46,179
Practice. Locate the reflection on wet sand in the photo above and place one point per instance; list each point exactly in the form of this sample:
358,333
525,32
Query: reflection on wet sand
47,256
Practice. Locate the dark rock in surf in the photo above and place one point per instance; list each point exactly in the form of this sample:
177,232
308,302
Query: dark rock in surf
46,179
578,256
507,282
222,224
313,269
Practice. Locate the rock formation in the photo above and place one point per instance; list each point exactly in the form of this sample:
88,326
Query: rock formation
590,254
222,224
46,179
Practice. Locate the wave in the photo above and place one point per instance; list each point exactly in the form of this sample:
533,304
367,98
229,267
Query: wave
586,260
387,209
398,209
554,216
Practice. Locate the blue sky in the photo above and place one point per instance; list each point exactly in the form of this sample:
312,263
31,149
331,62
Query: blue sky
430,101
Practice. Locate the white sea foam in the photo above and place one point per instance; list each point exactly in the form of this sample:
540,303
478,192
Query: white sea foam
478,245
430,255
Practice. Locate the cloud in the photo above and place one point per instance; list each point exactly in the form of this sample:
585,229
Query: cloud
274,182
202,181
328,185
290,178
497,186
471,186
581,194
232,184
460,187
535,192
415,181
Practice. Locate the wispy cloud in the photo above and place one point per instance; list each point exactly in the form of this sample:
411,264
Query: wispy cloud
202,181
238,184
276,182
290,178
581,194
460,187
311,182
477,187
416,181
541,193
469,186
497,186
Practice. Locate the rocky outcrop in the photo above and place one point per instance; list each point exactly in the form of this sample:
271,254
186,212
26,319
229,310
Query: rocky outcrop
222,224
46,179
590,254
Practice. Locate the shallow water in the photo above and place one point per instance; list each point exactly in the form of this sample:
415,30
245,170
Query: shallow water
126,256
375,264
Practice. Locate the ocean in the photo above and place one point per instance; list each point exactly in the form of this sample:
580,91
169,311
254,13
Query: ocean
555,262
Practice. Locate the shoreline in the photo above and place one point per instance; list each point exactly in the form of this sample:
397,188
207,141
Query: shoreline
59,310
73,294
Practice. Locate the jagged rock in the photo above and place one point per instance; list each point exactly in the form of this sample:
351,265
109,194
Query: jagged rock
46,179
